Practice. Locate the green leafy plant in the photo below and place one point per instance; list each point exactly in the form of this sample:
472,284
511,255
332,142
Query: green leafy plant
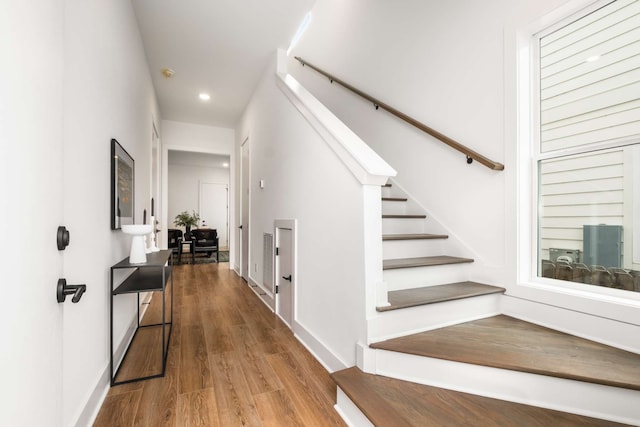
187,220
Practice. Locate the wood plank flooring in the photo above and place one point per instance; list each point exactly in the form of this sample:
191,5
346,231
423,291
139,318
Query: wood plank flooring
391,402
508,343
231,362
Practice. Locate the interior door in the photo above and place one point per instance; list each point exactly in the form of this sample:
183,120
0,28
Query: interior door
31,197
155,181
214,209
244,203
284,275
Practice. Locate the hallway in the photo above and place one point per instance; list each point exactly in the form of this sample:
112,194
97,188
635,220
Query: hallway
231,362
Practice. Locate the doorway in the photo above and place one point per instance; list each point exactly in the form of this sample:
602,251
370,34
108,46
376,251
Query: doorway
285,270
187,171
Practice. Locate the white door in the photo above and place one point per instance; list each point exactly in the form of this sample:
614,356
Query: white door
284,275
156,165
31,147
244,203
214,210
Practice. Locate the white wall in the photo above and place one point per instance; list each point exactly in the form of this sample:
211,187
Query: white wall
306,181
107,94
441,63
178,136
186,172
454,66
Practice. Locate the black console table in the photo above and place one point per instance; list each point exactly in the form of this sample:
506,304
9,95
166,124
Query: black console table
152,276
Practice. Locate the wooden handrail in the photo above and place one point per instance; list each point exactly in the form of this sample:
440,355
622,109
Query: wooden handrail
471,155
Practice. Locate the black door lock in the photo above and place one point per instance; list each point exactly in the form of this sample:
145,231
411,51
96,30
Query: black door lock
62,238
287,278
63,290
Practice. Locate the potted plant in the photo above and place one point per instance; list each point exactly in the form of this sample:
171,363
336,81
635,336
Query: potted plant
187,220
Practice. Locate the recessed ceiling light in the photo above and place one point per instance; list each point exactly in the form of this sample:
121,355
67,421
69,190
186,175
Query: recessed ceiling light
204,96
592,58
225,165
167,72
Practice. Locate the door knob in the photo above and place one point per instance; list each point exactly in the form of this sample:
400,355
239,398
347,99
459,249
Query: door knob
287,278
63,290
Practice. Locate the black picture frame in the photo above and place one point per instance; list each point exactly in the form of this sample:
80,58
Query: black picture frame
122,186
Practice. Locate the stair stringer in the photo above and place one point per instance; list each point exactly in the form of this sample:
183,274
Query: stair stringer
593,400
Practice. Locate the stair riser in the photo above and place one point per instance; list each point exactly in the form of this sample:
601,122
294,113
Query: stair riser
396,323
387,192
349,412
394,249
394,208
403,226
409,278
577,397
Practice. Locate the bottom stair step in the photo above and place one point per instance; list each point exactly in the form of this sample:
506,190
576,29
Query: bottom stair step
391,402
405,298
508,343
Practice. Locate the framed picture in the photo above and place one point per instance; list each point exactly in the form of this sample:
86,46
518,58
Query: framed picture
122,190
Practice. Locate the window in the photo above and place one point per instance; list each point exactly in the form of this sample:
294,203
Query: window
588,148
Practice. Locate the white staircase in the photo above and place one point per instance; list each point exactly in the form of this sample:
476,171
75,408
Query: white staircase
418,253
430,289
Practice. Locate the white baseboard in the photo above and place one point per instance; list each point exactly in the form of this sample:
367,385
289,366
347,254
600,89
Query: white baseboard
265,297
318,349
91,409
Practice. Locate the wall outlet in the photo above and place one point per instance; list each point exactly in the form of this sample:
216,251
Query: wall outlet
255,268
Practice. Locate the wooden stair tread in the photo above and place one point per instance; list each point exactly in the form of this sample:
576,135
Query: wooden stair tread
389,264
404,216
422,236
508,343
433,294
394,199
391,402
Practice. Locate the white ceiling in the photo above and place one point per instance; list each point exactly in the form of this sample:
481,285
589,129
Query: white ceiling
216,46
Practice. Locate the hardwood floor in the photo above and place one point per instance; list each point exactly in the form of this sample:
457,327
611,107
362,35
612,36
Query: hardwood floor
231,363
